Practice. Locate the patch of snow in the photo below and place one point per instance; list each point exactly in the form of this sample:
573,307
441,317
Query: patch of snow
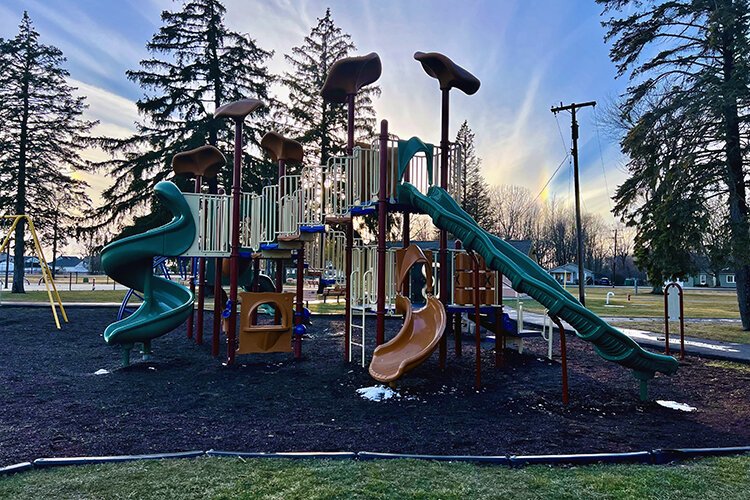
674,405
633,333
102,371
377,393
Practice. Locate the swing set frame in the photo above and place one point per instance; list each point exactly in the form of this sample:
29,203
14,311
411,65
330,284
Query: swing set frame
49,282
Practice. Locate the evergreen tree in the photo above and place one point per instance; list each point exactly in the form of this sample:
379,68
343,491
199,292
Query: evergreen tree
40,139
321,126
197,65
716,239
475,199
689,61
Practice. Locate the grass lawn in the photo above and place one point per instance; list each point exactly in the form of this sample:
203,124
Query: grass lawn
713,330
729,365
67,296
266,478
703,303
327,308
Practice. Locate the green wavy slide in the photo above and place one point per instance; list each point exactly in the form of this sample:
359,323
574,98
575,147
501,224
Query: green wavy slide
129,261
527,277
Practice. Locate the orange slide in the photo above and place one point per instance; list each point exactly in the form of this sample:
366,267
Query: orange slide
422,329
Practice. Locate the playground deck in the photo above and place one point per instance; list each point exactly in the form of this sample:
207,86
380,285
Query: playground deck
54,405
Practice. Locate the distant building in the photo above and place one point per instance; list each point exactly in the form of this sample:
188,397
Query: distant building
568,274
69,264
63,264
30,264
707,277
725,279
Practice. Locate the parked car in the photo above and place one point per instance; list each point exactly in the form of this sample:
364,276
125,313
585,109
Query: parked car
603,281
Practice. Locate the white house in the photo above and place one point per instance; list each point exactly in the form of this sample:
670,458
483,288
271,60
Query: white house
568,274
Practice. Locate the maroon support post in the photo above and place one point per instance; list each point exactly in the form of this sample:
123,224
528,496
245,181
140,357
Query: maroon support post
350,99
457,320
190,318
444,145
406,235
215,338
234,256
299,306
563,359
280,262
201,278
499,326
255,284
382,229
217,307
193,270
201,300
349,227
477,324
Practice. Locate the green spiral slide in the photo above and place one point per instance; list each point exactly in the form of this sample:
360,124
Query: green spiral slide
527,277
129,261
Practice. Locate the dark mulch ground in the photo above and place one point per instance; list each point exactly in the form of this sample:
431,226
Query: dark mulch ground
52,404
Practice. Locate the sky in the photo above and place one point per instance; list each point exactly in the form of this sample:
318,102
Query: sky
528,54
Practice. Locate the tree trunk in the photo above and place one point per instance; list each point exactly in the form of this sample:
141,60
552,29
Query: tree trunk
18,264
740,231
20,205
54,249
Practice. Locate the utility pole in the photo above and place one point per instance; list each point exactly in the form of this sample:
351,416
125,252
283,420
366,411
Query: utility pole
574,131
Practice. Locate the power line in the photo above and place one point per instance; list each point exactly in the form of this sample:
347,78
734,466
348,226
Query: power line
562,139
531,204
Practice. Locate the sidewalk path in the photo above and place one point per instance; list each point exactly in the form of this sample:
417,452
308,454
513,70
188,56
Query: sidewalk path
716,349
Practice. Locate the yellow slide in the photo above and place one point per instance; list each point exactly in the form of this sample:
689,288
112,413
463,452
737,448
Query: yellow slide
422,329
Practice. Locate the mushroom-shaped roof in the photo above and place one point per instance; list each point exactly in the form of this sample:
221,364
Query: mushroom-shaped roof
281,148
449,74
205,161
238,109
347,76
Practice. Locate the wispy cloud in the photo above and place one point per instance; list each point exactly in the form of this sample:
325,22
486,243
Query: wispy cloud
116,115
90,45
527,54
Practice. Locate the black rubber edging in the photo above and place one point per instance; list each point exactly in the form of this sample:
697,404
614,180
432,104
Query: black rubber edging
61,461
493,459
665,456
644,457
327,455
12,469
656,457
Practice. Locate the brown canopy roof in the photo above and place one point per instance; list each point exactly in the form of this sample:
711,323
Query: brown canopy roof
281,148
238,109
205,160
347,76
449,74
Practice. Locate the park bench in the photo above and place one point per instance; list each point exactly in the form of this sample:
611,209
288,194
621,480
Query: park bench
337,291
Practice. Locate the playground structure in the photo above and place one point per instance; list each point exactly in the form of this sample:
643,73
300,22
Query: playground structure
313,214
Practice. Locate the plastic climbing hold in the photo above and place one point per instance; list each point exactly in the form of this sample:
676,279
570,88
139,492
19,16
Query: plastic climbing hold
300,330
227,310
